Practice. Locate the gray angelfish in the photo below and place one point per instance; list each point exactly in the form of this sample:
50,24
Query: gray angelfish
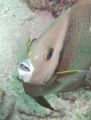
60,59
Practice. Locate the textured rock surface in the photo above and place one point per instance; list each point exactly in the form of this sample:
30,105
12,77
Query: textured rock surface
6,105
54,6
17,24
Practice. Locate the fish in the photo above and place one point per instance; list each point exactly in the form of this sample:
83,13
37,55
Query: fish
60,59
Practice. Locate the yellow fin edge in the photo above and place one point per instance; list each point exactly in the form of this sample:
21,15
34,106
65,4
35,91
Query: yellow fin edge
67,72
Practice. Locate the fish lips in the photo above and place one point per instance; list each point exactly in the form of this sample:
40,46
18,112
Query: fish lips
25,70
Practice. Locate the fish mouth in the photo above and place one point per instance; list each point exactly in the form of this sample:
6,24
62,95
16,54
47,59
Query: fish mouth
25,70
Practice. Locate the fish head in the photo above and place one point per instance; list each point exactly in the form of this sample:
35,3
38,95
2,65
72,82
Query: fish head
44,53
41,63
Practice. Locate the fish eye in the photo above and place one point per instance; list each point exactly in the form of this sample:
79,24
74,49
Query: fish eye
49,54
25,68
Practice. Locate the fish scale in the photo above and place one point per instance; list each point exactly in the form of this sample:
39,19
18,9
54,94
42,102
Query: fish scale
77,51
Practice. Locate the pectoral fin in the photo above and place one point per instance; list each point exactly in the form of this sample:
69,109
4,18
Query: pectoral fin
67,73
71,80
71,73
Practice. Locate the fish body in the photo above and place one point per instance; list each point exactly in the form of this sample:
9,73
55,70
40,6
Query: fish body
61,57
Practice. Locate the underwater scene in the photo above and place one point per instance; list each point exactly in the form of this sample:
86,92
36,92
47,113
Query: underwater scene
45,63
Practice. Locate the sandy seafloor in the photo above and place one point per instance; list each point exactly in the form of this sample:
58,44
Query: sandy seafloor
17,24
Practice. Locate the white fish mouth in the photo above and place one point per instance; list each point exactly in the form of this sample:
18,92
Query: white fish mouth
25,70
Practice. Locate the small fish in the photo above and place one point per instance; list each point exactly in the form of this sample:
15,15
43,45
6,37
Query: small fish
60,59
